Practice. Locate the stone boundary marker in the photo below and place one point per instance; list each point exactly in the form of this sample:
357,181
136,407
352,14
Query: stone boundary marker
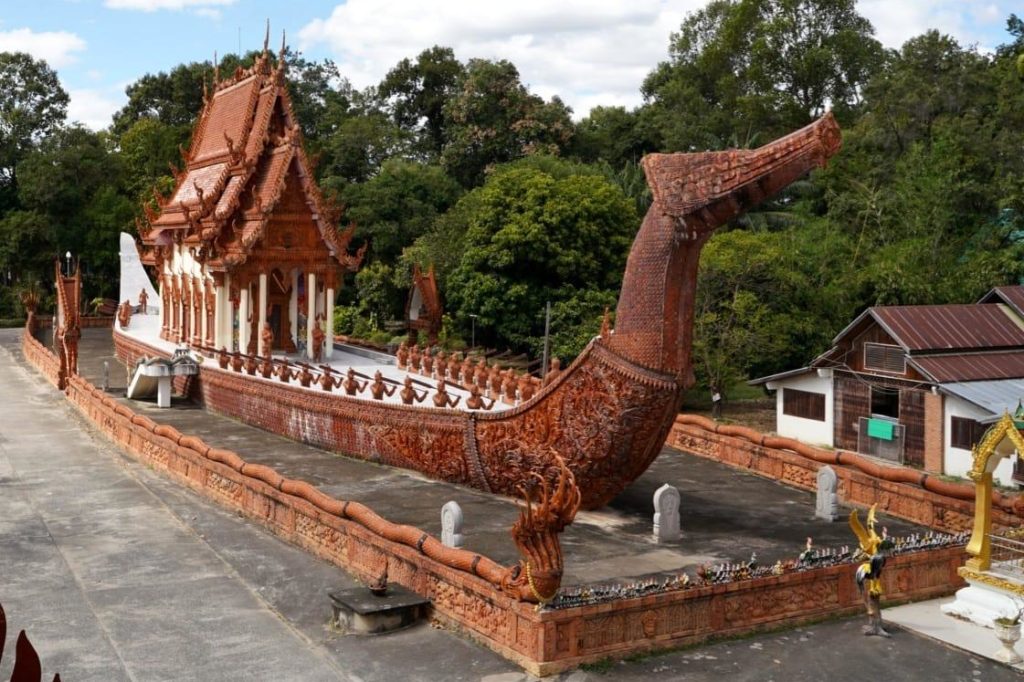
451,524
827,501
666,514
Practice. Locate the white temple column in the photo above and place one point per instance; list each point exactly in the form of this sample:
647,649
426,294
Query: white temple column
260,350
329,322
293,307
310,313
243,316
227,316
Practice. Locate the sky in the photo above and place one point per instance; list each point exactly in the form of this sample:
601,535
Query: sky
589,52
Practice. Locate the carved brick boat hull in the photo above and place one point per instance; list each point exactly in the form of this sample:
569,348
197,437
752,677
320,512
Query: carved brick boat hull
608,414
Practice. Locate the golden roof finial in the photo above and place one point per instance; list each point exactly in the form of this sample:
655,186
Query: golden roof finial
280,56
266,38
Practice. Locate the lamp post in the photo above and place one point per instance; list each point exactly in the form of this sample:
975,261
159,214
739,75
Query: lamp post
67,257
472,342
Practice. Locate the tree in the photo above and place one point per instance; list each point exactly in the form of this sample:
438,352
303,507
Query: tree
32,105
529,238
494,119
73,181
146,150
743,67
416,92
615,135
398,205
742,274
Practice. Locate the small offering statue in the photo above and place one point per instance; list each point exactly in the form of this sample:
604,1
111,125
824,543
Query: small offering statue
379,389
124,314
869,573
143,299
442,398
352,385
267,336
410,394
318,340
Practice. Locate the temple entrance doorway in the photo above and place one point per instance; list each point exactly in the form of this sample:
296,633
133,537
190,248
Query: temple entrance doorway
279,311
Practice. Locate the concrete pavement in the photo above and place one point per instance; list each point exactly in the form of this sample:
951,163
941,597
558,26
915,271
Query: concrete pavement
119,574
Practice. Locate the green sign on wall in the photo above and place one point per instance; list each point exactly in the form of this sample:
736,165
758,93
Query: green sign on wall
880,428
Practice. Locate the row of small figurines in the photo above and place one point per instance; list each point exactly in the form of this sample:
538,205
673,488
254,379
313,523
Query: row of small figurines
505,385
325,378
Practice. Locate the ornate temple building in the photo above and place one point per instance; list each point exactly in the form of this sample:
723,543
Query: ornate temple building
246,242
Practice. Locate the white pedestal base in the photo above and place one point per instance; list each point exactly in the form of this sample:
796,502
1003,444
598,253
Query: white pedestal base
981,604
163,392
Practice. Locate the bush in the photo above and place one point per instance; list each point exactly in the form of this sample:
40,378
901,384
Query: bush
345,317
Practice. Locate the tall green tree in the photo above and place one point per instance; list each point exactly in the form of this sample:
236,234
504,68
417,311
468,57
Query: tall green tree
494,119
415,92
739,68
32,106
398,205
530,238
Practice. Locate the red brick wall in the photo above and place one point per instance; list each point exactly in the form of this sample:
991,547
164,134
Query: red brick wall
906,499
543,642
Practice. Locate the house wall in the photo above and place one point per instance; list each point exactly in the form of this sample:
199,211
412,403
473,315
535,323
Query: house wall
852,401
807,430
957,461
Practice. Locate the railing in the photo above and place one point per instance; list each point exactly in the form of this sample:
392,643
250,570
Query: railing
1007,555
327,378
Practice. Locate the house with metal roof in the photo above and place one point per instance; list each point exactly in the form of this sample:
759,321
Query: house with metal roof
913,384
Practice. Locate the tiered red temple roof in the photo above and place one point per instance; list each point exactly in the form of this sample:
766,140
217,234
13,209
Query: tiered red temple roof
244,171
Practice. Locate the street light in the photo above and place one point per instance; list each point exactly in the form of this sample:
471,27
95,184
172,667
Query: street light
472,343
67,257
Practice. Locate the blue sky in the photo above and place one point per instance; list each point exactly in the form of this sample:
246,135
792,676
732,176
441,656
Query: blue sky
587,51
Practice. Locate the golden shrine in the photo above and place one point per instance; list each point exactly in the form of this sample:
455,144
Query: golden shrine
246,242
995,583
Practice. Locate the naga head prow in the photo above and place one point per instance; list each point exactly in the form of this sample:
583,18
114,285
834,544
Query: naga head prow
693,194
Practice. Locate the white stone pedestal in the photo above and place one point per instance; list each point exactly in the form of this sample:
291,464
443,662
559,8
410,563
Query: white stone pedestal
163,392
981,603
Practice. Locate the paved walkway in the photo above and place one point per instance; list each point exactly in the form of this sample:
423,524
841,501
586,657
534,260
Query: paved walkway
727,514
119,574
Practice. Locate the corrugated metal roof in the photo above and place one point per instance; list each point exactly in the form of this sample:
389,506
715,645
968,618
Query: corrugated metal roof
971,366
950,327
1012,296
995,397
781,375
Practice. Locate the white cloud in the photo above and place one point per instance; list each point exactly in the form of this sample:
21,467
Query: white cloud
154,5
587,52
93,108
969,21
209,13
56,47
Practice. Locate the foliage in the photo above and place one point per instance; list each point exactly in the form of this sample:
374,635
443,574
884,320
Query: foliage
529,238
494,118
925,203
400,203
416,92
738,68
32,106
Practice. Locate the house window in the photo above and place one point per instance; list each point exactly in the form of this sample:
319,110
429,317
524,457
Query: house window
804,404
885,358
964,433
885,402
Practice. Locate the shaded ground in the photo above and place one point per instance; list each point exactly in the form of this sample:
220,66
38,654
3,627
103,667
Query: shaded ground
727,514
117,573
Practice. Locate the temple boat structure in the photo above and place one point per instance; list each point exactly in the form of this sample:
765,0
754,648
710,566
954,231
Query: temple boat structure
248,255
